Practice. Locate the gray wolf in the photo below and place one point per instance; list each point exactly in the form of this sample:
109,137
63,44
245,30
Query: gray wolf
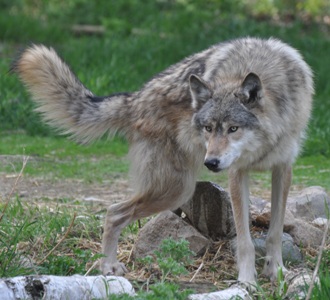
240,105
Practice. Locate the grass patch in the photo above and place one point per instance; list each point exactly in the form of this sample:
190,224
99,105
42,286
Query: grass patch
59,158
30,232
63,237
141,38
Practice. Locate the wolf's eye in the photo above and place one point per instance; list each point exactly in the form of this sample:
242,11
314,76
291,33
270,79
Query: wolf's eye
208,128
232,129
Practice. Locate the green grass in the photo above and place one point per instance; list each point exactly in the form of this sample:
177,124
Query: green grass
29,233
141,39
59,158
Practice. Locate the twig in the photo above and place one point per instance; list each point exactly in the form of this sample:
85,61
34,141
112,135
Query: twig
216,254
318,261
25,160
130,255
60,241
200,266
197,271
92,267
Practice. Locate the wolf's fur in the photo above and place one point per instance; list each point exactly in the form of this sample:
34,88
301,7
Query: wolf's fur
242,105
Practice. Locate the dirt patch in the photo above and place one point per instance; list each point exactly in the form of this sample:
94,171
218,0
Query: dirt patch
118,189
30,188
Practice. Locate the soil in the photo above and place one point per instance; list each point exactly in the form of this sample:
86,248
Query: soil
31,188
106,192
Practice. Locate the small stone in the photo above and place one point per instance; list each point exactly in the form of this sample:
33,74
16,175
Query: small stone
320,222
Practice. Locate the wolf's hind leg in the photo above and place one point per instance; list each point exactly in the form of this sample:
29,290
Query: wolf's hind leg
118,216
281,181
121,214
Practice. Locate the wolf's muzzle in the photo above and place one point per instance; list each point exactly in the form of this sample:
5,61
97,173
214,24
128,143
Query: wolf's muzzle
213,164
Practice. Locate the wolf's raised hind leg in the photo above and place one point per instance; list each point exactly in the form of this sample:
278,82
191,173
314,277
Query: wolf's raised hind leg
121,214
239,192
118,216
281,181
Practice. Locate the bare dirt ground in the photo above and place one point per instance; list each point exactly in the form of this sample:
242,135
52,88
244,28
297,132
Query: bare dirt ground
34,188
30,188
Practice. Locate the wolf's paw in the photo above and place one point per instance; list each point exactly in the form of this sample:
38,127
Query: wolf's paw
117,268
271,269
250,287
247,279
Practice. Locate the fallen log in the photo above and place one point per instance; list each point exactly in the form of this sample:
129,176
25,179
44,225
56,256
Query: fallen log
48,287
234,292
88,29
45,287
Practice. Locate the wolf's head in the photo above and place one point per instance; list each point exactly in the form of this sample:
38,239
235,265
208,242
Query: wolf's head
226,115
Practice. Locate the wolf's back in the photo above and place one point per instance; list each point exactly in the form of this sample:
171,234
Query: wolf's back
64,101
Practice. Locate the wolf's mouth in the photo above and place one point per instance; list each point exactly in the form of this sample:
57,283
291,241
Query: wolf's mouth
218,170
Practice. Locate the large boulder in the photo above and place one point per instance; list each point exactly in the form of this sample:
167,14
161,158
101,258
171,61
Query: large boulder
168,225
210,212
311,203
305,234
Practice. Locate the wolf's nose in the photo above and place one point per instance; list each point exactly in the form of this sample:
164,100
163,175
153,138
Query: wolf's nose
212,164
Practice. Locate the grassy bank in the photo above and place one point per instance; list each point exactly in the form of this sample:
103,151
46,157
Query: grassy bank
138,40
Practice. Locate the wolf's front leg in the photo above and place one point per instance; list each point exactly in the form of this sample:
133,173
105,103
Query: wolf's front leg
281,181
239,192
118,216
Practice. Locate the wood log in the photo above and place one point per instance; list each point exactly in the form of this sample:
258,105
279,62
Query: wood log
88,29
234,292
45,287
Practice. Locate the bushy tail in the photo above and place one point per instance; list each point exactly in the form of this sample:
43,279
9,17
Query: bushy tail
64,101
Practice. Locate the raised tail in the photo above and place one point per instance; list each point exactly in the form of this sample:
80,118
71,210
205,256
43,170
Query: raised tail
64,101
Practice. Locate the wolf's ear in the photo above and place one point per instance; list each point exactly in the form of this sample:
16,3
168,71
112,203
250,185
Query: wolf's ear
200,91
251,89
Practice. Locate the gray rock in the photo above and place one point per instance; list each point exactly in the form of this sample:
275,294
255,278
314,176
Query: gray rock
290,252
166,225
210,212
302,232
311,203
320,222
305,234
297,280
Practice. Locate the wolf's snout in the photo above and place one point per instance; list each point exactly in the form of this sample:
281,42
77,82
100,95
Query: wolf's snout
212,164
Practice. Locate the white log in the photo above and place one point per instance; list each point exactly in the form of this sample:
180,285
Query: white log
79,287
227,294
62,287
